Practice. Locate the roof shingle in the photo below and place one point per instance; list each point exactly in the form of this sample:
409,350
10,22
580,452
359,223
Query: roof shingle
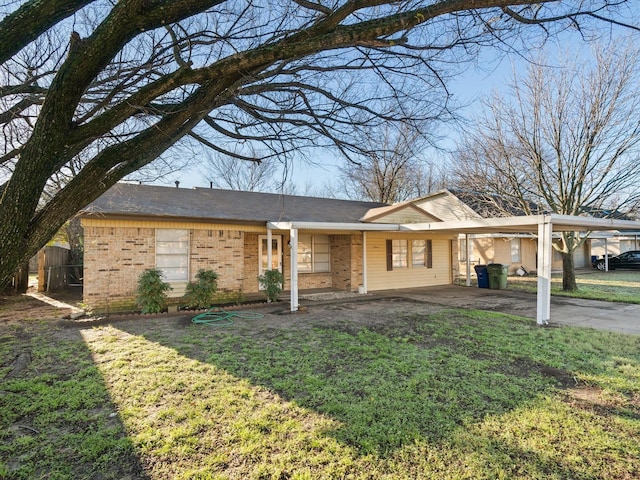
225,205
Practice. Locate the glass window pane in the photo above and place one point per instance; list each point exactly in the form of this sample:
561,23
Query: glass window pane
172,254
515,250
399,253
418,248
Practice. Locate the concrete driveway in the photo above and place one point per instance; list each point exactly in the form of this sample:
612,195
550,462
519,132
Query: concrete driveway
615,317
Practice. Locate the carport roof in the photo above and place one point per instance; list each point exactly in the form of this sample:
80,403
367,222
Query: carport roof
529,223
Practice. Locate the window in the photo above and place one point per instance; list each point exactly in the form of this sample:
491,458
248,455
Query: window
515,250
172,254
313,253
397,252
422,253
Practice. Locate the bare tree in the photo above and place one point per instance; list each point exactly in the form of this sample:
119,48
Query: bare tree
566,140
112,86
228,173
391,167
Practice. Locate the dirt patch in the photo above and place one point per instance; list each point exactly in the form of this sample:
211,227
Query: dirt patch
20,308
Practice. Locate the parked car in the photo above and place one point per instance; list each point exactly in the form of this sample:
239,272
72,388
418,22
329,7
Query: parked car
630,259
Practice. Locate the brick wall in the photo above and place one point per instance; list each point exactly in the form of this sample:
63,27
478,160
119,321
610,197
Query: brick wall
356,261
250,255
221,251
114,258
341,261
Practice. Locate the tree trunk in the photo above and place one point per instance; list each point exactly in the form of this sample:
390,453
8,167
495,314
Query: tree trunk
22,279
568,272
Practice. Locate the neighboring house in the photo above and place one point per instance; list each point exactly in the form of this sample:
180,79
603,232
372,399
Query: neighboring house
345,245
513,249
614,243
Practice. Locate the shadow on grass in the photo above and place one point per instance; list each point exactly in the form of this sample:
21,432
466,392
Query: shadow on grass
57,418
388,385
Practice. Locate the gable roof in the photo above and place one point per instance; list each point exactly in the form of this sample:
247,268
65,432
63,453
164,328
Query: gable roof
130,200
405,211
446,206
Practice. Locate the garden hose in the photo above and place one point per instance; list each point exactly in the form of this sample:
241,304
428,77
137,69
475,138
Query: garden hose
219,317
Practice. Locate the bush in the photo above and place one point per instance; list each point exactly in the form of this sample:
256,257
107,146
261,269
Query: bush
201,293
272,282
152,291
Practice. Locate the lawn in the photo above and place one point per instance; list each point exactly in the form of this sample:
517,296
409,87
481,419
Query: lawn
369,390
613,286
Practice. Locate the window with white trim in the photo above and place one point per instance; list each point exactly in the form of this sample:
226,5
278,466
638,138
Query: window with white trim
172,254
516,247
314,253
399,252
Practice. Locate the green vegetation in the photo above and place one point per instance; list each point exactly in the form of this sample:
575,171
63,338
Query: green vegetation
448,395
271,282
152,291
614,286
202,292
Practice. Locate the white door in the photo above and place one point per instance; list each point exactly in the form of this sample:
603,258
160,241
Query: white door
276,253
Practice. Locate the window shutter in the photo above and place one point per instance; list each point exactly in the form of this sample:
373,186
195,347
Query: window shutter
429,254
389,255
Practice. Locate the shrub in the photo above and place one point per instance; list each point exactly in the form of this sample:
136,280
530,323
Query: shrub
152,291
271,281
201,293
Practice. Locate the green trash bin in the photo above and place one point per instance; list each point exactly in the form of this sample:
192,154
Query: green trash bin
497,275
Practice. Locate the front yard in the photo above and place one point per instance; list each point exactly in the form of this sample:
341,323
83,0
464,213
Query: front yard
376,389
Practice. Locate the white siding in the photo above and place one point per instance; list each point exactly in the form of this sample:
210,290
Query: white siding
378,278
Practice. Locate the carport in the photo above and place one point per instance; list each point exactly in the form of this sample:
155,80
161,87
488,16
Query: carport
544,226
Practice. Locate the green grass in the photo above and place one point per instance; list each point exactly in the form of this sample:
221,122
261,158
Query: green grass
614,286
451,395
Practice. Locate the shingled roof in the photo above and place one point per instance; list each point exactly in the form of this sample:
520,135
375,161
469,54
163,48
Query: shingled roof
145,201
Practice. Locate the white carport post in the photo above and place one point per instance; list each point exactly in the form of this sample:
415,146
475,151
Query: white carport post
269,249
543,310
364,263
293,243
606,255
467,254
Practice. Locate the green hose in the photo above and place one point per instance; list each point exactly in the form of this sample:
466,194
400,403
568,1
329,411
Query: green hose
219,317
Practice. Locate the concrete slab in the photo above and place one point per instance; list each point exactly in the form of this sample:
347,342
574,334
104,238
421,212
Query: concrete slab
611,316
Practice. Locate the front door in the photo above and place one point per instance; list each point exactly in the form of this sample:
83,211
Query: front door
276,253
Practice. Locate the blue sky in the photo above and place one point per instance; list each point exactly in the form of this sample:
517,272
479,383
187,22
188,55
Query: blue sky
479,80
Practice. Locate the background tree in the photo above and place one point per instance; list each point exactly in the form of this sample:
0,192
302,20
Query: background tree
391,166
228,173
566,141
111,86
